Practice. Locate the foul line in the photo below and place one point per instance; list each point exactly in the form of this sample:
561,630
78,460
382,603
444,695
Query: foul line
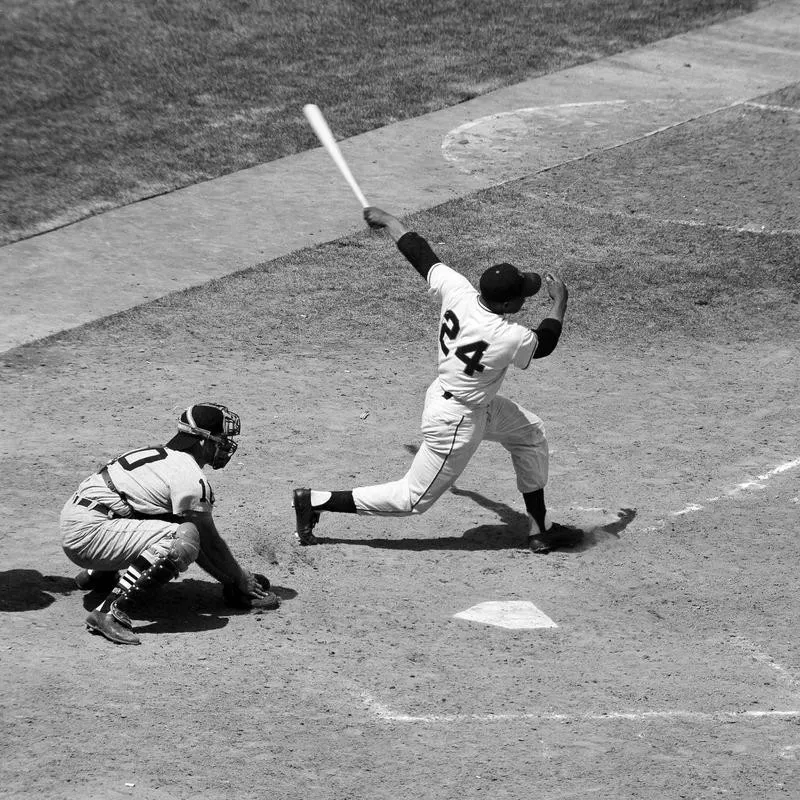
768,107
757,483
383,712
761,230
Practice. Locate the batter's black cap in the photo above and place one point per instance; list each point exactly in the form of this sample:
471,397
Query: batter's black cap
505,282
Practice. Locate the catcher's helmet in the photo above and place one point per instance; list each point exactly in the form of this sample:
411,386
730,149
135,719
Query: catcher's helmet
212,422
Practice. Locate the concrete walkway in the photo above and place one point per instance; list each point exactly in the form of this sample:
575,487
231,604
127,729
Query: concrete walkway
128,256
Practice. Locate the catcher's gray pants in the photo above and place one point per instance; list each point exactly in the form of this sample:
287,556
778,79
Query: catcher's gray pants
452,433
92,540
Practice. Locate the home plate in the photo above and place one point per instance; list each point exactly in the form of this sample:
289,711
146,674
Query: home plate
515,614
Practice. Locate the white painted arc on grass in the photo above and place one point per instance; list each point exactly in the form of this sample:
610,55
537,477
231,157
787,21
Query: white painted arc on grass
459,129
449,139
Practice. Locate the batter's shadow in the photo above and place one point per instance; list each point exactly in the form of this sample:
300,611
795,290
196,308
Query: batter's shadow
186,606
510,534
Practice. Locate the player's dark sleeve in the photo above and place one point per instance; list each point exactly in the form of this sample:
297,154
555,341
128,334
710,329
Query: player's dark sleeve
547,333
417,250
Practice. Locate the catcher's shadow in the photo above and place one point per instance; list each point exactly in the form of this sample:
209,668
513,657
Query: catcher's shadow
186,606
29,590
510,534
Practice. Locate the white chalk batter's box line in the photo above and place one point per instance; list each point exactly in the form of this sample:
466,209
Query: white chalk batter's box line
383,712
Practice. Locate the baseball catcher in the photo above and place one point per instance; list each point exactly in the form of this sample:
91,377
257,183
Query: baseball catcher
476,346
148,513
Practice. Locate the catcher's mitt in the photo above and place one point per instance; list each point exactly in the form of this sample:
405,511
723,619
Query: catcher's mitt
235,598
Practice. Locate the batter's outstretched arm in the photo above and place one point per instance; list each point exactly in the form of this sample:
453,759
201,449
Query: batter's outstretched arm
549,330
413,246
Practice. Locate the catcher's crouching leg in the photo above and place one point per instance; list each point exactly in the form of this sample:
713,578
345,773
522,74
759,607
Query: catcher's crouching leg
154,567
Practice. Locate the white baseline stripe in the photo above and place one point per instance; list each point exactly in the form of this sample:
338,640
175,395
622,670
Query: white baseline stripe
382,711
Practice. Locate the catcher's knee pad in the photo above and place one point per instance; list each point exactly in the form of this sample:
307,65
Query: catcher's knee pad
185,547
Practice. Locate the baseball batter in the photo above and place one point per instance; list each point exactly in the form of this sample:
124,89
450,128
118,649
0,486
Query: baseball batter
150,512
477,344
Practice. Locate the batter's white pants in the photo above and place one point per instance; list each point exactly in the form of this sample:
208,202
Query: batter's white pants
452,433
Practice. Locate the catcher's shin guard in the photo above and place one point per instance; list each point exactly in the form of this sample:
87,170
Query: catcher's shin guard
110,618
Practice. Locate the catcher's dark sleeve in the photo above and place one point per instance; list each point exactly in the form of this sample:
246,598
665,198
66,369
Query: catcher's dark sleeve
418,252
547,333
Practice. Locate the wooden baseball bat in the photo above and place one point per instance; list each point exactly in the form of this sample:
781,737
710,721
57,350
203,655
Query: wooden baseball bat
323,132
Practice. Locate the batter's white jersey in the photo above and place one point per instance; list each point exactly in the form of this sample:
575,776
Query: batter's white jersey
153,480
476,346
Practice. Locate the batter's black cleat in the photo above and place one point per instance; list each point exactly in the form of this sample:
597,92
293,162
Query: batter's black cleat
94,580
539,544
306,517
115,626
555,537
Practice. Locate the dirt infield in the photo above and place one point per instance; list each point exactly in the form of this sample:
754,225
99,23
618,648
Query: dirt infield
673,419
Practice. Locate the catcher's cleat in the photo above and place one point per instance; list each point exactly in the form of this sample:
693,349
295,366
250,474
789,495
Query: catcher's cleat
306,517
147,572
90,580
115,626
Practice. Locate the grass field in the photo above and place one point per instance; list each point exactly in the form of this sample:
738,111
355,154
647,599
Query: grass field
104,103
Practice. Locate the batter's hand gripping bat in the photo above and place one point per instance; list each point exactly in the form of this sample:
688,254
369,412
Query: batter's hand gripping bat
320,127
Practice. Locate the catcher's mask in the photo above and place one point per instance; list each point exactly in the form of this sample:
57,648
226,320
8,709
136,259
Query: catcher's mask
214,423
